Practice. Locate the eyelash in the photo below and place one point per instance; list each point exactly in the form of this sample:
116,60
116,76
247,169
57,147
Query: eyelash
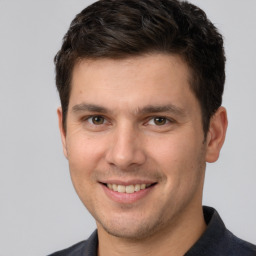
150,119
165,120
93,116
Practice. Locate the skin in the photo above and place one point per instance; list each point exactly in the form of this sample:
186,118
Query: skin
132,121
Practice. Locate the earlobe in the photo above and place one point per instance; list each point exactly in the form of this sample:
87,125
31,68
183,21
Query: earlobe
62,131
216,134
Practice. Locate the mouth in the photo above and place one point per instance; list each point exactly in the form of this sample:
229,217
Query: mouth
129,189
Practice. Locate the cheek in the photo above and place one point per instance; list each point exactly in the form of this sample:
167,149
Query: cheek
172,150
84,156
183,168
82,148
179,159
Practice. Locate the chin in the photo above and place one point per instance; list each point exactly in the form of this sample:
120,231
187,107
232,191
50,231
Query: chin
132,230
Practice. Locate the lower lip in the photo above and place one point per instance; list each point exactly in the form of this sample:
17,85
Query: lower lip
127,198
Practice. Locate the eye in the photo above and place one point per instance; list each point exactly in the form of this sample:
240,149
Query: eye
96,120
158,121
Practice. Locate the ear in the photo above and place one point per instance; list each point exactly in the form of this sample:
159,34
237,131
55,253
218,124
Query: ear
62,131
216,134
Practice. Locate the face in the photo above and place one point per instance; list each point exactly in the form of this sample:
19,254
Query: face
135,143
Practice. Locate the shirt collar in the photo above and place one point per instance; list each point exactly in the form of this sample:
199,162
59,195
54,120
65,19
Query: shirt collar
208,243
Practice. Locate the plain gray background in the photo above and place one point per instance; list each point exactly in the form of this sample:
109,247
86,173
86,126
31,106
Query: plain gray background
39,210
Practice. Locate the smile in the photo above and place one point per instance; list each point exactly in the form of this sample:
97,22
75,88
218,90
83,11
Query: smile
127,192
127,189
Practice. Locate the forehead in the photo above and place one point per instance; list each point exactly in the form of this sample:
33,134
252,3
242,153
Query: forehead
135,81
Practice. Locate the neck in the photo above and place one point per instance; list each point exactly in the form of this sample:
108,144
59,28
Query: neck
176,239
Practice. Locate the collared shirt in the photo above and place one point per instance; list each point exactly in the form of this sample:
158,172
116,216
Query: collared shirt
215,241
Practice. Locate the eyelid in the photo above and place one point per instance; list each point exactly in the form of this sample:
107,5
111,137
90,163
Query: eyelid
87,118
104,119
168,120
149,119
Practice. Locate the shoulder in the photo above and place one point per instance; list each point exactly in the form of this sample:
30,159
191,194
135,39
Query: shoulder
218,240
84,248
74,250
238,246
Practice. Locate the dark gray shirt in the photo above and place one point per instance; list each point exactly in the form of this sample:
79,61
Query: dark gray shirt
215,241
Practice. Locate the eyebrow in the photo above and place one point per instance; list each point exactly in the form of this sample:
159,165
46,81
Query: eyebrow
170,108
83,107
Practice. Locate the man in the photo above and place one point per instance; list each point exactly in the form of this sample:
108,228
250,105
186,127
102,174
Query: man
141,86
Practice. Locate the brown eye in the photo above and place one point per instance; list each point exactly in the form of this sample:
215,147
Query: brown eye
97,120
160,120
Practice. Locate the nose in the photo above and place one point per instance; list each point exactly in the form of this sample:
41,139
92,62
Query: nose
125,149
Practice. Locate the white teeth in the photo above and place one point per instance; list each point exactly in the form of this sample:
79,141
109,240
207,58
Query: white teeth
137,187
114,186
142,186
121,188
127,189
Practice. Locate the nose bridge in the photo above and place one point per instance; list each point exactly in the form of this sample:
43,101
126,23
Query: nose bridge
125,148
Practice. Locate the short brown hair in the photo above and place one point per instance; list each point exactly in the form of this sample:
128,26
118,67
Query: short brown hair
124,28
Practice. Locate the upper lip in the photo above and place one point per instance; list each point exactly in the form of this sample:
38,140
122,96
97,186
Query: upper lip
127,182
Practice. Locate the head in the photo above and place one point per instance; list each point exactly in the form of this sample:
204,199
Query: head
140,84
121,29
